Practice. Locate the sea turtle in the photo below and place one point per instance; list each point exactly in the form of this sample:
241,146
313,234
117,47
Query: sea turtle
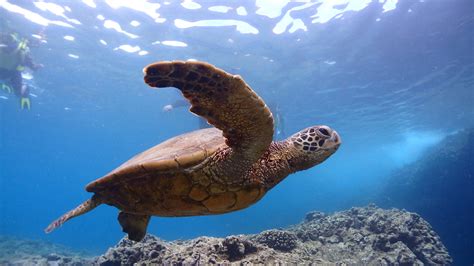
209,171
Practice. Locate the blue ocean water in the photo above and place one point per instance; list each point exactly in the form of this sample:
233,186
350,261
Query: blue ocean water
393,77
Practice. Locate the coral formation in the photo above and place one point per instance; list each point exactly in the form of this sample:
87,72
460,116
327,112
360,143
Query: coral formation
359,236
278,239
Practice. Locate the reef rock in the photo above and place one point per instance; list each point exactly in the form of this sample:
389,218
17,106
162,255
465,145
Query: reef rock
363,236
359,236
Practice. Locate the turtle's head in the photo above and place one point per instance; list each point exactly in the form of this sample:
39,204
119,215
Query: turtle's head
312,146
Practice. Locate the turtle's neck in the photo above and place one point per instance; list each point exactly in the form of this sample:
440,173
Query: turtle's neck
273,166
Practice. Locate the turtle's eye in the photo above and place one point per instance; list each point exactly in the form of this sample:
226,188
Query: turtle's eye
324,131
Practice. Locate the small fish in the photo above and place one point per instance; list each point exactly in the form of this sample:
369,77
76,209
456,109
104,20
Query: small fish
4,97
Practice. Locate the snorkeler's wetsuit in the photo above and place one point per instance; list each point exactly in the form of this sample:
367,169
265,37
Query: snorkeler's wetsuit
13,61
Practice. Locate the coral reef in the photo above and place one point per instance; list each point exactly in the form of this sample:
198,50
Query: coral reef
278,239
364,236
359,236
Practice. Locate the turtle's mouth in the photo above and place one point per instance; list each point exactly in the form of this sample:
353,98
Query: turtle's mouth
336,138
333,143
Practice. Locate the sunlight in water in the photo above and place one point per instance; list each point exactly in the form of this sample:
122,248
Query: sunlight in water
90,3
270,8
288,20
241,11
174,43
220,9
69,38
241,26
110,24
128,48
329,9
189,4
135,23
412,146
56,10
143,6
31,16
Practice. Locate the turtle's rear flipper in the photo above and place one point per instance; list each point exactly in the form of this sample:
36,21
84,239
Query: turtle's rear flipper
86,206
134,225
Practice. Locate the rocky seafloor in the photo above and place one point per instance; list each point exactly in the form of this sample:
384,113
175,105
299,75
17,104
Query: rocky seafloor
359,236
19,251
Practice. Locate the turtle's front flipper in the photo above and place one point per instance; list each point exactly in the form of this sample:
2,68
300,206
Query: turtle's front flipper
86,206
225,100
134,225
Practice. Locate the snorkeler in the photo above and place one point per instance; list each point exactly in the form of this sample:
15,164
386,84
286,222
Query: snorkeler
278,118
14,58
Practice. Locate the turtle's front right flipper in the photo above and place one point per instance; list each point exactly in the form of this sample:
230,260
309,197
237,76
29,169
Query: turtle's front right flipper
225,101
86,206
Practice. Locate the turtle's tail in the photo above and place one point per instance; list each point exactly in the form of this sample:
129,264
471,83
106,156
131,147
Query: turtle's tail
86,206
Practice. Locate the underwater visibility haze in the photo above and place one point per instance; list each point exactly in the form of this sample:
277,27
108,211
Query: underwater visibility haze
393,77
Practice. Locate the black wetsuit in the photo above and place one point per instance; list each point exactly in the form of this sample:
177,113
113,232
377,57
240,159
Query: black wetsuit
14,79
14,57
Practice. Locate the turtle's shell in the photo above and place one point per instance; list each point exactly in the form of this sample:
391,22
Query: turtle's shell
175,154
162,181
